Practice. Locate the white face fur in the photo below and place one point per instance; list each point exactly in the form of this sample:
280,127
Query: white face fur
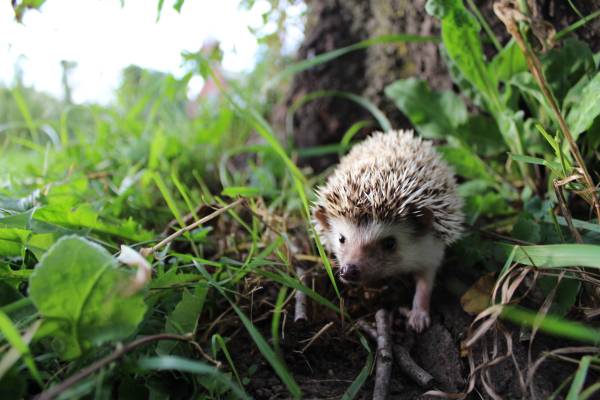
377,251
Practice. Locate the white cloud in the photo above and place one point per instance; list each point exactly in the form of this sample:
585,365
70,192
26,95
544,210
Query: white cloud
103,38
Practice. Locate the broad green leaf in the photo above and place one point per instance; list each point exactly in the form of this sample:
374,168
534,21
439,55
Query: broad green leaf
509,62
481,134
79,289
559,255
184,318
527,229
84,216
527,85
434,115
489,204
460,33
466,163
565,66
565,296
586,109
511,126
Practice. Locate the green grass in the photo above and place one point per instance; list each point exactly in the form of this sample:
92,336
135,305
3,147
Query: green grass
120,174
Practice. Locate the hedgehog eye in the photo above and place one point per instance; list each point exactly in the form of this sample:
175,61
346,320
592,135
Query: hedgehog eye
342,239
388,243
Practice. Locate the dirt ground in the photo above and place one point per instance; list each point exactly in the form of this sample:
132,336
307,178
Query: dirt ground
329,365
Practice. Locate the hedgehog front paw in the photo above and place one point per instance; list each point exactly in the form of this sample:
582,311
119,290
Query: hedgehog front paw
418,319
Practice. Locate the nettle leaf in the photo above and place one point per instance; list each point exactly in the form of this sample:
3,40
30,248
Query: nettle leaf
564,67
586,109
466,163
482,135
565,296
85,217
460,33
434,115
78,289
184,318
527,229
509,62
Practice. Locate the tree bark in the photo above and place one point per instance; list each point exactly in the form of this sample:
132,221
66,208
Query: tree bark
332,24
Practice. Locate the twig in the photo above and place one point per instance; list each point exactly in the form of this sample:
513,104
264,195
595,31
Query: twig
186,219
300,298
56,390
383,370
402,358
150,250
411,368
367,329
316,336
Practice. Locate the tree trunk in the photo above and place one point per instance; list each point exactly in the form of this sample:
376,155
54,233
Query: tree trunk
332,24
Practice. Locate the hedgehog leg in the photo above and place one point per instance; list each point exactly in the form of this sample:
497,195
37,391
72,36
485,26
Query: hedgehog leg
418,317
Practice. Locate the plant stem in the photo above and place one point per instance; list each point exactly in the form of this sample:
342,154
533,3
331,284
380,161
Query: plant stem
56,390
148,251
577,25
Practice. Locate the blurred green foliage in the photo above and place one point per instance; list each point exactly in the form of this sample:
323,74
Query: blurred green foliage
78,180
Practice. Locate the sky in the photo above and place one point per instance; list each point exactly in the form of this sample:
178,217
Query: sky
103,38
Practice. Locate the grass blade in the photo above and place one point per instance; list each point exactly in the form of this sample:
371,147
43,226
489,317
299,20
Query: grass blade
24,109
559,255
262,345
332,55
277,317
379,116
354,388
551,324
579,379
18,343
169,363
217,340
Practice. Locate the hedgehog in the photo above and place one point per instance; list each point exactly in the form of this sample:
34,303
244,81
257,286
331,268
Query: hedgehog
390,207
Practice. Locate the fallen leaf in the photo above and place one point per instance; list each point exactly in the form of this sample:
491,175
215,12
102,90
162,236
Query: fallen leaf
477,297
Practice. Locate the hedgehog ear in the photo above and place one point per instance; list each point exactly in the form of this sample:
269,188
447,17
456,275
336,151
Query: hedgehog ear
321,216
424,221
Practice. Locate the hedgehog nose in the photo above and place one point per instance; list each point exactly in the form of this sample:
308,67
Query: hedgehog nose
350,272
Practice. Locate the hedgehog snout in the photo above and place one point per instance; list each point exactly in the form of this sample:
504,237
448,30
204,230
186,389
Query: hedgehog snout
350,272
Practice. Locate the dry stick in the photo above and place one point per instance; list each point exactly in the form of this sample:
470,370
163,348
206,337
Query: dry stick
383,370
402,358
367,329
300,298
316,336
411,368
56,390
510,17
150,250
